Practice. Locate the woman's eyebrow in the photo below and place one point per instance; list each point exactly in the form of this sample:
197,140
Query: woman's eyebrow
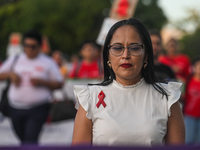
116,44
122,44
134,43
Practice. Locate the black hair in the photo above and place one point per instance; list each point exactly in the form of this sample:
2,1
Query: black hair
33,35
156,33
148,72
92,43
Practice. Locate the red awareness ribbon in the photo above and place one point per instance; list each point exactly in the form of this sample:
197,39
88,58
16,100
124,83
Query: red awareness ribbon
101,97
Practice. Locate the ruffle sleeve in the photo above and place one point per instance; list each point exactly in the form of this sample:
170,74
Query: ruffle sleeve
82,95
174,89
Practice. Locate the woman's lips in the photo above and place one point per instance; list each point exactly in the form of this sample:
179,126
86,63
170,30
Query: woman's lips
126,65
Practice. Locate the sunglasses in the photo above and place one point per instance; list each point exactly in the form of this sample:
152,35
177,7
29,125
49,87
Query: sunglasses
31,46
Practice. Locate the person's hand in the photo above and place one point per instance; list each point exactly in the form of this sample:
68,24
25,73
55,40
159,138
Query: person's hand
37,82
46,83
15,79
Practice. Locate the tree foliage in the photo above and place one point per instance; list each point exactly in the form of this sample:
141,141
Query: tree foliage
67,23
150,14
190,42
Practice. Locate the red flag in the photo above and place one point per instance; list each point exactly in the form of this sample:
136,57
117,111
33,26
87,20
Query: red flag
123,8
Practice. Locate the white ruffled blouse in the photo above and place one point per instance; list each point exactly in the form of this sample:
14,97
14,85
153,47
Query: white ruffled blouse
133,115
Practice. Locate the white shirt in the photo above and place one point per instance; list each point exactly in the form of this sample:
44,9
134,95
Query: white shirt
134,115
26,95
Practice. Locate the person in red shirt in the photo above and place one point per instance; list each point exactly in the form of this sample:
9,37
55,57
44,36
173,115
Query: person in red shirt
192,105
179,63
88,68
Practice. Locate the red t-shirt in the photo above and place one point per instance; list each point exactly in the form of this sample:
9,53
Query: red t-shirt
85,70
192,98
182,62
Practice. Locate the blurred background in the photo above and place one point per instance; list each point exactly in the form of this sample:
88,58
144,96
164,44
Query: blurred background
67,23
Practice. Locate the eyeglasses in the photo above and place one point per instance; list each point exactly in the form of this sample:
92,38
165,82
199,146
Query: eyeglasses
31,46
134,49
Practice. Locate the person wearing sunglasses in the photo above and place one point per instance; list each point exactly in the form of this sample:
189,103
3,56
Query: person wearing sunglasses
129,107
33,76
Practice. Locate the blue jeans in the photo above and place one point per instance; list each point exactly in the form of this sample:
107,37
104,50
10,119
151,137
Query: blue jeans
192,128
28,123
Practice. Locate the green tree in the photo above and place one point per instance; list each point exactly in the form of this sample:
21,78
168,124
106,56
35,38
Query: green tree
190,43
3,2
150,14
8,17
67,23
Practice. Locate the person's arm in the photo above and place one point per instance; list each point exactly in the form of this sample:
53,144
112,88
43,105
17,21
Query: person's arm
54,79
15,79
4,76
82,128
175,126
49,84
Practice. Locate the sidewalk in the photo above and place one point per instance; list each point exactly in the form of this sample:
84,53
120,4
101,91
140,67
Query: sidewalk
59,133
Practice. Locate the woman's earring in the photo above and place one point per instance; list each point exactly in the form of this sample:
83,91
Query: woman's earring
109,64
145,64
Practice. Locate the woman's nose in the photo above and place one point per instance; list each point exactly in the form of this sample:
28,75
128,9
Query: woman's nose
126,53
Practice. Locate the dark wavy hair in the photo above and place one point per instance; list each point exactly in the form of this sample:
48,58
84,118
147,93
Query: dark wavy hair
148,72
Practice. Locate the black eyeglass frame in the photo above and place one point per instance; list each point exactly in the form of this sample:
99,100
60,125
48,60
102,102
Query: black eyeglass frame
31,46
142,45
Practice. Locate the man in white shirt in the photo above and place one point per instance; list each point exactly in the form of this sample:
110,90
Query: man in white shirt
33,76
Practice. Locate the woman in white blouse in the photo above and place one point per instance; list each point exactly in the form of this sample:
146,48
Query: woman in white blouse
129,107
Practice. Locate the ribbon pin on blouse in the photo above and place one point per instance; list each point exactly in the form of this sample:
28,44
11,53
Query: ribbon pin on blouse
101,97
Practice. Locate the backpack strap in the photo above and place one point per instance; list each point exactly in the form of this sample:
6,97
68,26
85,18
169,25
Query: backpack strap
14,62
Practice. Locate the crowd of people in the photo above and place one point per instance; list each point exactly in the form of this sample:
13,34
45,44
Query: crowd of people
147,96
